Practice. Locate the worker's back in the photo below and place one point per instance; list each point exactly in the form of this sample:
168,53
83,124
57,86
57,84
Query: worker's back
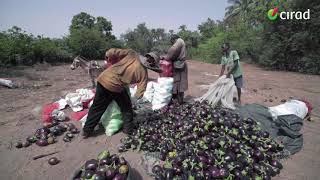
123,73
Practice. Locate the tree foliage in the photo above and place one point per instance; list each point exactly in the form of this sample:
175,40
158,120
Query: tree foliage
88,43
90,36
293,45
191,38
18,47
144,40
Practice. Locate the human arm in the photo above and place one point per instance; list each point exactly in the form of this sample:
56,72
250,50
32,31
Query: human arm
223,67
174,50
142,79
233,68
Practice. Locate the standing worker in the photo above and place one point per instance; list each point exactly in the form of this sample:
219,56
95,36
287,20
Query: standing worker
231,61
177,54
129,68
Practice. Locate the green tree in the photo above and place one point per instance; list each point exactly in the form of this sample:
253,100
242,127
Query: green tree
15,45
88,42
47,50
207,28
90,36
161,40
239,8
140,39
82,20
293,45
105,27
191,38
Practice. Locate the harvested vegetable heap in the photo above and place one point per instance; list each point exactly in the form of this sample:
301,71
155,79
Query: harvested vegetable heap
48,135
106,167
197,141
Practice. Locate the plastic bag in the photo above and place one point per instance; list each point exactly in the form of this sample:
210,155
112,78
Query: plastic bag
112,119
222,90
295,107
76,100
162,92
46,112
167,68
148,94
58,115
7,83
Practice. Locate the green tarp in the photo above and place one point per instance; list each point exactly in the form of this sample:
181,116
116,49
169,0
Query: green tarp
285,128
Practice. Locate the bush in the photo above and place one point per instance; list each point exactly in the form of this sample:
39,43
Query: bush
88,43
15,47
293,45
19,48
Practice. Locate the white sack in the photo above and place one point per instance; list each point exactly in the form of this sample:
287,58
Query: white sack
222,90
295,107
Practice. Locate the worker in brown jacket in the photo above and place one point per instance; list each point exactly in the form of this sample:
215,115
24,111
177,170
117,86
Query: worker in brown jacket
130,68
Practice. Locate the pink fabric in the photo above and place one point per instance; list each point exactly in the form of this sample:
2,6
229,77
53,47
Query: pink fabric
308,104
47,110
85,104
167,68
77,116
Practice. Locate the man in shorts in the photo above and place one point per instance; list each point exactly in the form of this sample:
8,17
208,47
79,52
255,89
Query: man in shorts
231,61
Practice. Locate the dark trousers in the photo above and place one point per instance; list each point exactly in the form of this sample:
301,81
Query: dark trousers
101,102
179,97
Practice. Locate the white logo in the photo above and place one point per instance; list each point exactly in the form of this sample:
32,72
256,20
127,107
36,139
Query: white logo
295,15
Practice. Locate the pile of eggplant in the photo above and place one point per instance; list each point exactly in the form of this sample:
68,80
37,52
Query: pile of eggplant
106,167
196,141
48,135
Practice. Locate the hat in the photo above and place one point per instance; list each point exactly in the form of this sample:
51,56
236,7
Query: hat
149,65
154,56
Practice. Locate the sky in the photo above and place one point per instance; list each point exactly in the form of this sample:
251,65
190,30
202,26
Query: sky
52,18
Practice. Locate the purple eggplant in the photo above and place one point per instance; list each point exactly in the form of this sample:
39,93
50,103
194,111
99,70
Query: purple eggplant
169,174
223,172
119,177
215,173
276,164
110,174
88,174
157,169
91,164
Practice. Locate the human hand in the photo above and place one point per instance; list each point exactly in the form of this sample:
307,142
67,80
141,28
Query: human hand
134,100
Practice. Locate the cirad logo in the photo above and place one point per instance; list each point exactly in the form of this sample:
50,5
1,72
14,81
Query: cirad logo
274,13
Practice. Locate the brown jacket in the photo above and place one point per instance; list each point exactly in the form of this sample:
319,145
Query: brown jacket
128,70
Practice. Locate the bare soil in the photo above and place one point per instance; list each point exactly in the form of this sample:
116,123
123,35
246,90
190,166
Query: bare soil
40,85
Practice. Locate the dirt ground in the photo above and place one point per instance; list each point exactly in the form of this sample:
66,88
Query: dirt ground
44,84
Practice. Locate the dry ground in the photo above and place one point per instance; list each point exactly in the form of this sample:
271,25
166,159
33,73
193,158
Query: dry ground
19,111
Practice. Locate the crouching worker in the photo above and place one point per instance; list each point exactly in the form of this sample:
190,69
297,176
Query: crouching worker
129,68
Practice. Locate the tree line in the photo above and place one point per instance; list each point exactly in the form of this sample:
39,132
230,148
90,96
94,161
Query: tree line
290,45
